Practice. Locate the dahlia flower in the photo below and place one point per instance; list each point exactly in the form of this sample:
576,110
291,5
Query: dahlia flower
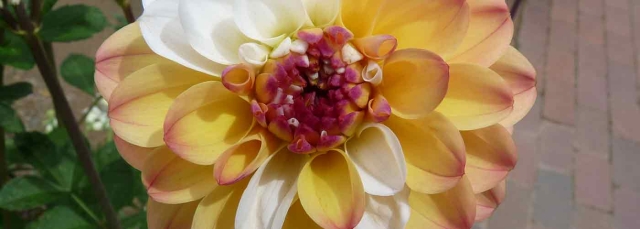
317,113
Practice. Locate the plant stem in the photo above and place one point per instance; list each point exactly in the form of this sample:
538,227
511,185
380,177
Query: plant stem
514,9
64,112
126,9
4,175
84,207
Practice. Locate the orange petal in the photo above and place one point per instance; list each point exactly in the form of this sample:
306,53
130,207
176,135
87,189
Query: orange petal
520,75
436,25
489,33
132,154
434,151
205,121
170,216
477,97
171,180
244,158
455,208
488,201
414,82
138,105
331,192
119,56
491,154
218,209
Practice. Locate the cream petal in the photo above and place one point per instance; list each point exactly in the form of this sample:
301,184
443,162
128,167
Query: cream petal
269,21
383,212
455,208
270,193
217,210
170,216
377,154
211,30
161,29
322,13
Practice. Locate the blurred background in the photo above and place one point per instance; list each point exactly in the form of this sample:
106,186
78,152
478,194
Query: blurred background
579,148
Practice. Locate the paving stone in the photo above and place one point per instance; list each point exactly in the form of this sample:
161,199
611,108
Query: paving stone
592,132
559,99
556,147
626,158
627,209
553,203
588,218
593,181
526,170
514,212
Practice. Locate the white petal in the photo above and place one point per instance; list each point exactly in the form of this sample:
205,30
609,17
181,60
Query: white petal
283,49
322,13
372,73
211,30
253,54
163,33
377,154
146,3
269,21
271,191
383,212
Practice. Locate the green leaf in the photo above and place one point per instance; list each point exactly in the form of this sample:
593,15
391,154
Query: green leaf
9,120
16,91
137,221
78,71
72,23
118,177
60,217
56,162
47,6
27,192
15,52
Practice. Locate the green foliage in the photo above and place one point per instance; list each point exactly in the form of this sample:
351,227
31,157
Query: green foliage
78,71
9,119
15,52
16,91
60,217
27,192
72,23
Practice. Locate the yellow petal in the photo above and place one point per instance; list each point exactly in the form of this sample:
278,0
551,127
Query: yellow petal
205,121
120,55
331,192
218,209
488,201
132,154
436,25
170,216
171,180
491,154
297,218
138,105
434,151
414,82
477,97
489,34
520,75
455,208
244,158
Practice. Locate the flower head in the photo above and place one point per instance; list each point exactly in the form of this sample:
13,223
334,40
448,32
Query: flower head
317,113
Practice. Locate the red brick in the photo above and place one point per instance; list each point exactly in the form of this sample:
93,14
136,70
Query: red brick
592,92
587,218
623,101
593,181
618,19
591,29
592,132
627,209
626,158
591,7
565,10
556,148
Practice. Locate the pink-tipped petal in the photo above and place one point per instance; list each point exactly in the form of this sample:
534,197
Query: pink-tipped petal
434,151
491,155
239,79
488,201
206,120
378,109
455,208
132,154
376,47
138,106
172,180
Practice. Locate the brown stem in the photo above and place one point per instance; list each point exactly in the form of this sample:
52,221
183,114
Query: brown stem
128,13
514,9
63,109
36,8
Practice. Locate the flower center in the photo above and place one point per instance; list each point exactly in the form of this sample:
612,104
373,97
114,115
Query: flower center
314,91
